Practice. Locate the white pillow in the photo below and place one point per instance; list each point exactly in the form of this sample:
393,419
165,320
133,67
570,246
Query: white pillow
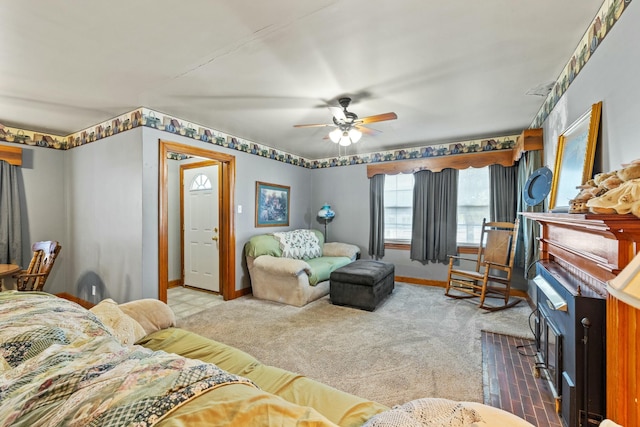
123,327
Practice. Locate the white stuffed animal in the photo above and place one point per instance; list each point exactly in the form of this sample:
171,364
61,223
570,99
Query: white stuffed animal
623,195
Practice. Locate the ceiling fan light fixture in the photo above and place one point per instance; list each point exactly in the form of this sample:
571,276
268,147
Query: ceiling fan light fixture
348,126
345,141
355,135
335,135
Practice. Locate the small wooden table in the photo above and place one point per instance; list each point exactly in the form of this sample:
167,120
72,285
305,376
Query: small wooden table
7,270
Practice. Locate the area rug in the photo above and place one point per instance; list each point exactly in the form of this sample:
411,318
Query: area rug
417,343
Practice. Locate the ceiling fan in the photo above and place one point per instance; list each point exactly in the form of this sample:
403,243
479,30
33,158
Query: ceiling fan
349,128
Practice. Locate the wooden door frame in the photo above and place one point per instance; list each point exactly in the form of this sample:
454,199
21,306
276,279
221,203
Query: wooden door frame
219,190
227,217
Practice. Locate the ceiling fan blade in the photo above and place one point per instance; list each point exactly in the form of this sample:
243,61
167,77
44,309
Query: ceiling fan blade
377,118
318,125
367,131
338,113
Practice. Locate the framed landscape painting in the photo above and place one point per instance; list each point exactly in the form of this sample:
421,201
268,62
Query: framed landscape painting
272,205
574,158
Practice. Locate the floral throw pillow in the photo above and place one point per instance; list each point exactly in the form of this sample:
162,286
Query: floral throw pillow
299,244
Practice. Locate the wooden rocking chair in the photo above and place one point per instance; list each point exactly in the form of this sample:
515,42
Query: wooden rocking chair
35,276
493,267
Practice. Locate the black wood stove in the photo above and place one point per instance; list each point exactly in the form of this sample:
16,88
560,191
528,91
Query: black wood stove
570,339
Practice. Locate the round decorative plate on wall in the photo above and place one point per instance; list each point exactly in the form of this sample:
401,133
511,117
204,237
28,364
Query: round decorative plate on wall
538,186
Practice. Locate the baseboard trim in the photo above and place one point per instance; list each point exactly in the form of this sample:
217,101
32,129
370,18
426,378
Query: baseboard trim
443,284
79,301
241,292
418,281
246,291
174,283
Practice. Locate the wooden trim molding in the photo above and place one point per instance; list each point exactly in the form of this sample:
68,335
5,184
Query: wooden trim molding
242,292
175,283
443,284
398,246
436,164
407,246
419,281
11,155
79,301
468,250
623,359
227,217
529,140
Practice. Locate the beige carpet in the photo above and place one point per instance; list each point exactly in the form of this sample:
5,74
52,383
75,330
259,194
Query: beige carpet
418,343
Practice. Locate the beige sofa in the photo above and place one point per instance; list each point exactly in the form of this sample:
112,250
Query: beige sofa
294,267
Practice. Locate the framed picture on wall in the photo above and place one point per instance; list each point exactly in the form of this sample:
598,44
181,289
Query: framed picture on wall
272,205
574,158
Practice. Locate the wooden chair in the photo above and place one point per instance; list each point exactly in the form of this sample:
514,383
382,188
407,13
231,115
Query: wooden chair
493,267
35,276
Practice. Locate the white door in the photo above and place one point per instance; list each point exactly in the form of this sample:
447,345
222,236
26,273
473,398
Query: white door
201,228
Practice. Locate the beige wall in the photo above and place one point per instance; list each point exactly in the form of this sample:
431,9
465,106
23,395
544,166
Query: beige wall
104,197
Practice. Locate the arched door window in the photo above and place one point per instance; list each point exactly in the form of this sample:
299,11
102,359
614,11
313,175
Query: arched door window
200,182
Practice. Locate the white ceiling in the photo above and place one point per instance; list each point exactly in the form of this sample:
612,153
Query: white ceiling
451,70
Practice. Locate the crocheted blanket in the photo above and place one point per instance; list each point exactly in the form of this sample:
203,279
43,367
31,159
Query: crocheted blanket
59,365
428,412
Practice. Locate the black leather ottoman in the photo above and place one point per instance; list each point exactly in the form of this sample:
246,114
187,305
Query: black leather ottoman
362,284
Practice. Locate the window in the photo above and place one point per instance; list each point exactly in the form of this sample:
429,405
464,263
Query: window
473,203
398,207
473,206
200,182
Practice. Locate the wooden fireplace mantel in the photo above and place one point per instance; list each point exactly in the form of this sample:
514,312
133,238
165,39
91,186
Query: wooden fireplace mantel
595,248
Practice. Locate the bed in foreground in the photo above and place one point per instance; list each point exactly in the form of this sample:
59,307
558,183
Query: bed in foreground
61,364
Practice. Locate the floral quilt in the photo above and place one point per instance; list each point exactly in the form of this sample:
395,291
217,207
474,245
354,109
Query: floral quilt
59,365
299,244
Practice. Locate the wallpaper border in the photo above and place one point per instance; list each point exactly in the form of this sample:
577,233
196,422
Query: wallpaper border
608,14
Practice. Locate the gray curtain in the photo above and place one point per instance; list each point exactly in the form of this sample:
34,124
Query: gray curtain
527,250
435,209
503,196
376,215
10,228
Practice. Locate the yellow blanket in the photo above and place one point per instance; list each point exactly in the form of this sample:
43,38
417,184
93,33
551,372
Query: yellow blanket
293,392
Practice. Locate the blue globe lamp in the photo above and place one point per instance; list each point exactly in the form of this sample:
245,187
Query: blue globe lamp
326,214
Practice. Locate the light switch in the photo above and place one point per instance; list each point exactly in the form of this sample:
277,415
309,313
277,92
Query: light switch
239,208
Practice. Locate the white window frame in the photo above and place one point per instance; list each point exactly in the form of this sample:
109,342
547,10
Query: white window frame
472,229
478,193
392,180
